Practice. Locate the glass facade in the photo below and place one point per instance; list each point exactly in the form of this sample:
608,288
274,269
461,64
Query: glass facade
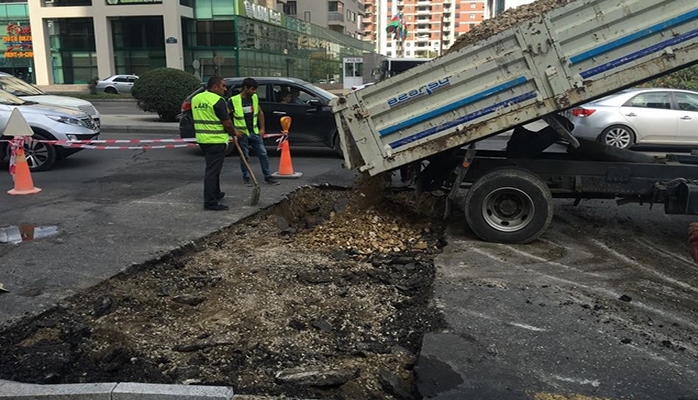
226,37
73,53
259,42
138,44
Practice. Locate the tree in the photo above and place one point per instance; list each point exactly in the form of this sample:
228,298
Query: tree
686,79
162,91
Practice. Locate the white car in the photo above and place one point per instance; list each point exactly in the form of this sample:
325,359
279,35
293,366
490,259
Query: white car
29,92
47,123
116,84
640,117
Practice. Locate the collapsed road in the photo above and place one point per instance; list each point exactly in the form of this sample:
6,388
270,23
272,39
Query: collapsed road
327,295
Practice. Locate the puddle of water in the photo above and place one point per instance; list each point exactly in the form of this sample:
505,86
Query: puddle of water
24,233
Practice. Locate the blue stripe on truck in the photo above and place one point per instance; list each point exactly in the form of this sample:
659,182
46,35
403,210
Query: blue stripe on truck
453,106
639,54
463,119
633,37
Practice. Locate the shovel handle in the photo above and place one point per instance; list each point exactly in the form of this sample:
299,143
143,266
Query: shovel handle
244,160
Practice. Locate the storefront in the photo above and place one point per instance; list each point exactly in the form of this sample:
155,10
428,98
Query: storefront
16,51
231,38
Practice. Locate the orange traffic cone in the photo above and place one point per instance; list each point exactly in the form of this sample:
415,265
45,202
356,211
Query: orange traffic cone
23,178
285,165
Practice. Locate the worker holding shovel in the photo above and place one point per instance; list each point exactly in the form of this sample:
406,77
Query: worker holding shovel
213,128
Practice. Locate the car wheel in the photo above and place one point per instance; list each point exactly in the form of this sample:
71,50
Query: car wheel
618,136
40,156
509,206
110,90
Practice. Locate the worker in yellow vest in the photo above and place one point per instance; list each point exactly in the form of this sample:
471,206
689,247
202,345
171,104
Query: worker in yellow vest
213,128
248,119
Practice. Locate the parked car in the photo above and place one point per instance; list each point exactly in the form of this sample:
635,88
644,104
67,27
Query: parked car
658,117
48,123
29,92
312,121
116,84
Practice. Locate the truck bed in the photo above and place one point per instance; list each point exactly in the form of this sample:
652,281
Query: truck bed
565,57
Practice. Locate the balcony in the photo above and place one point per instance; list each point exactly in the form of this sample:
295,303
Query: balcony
333,17
423,11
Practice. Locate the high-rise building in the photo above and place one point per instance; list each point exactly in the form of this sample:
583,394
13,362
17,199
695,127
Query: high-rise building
431,25
496,7
340,16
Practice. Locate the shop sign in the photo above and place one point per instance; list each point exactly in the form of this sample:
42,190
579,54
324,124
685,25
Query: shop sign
18,42
125,2
255,11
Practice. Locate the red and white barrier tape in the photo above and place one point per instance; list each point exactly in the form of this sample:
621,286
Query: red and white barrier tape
90,144
15,145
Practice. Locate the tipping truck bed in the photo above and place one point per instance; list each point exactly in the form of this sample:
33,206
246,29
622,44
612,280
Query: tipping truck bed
565,57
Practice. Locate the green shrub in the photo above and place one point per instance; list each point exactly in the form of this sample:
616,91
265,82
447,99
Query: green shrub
162,91
93,85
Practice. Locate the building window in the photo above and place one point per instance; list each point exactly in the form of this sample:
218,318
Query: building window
291,8
335,6
473,5
472,16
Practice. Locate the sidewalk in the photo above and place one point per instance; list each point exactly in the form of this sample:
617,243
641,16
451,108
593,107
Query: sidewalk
146,123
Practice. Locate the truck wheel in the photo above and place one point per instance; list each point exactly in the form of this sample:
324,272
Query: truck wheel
618,136
509,206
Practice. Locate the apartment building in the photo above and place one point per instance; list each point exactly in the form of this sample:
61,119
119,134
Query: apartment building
432,25
496,7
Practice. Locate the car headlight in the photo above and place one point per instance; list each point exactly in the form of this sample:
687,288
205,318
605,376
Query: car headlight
67,120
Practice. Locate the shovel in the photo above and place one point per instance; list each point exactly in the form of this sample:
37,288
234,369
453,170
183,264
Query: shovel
257,190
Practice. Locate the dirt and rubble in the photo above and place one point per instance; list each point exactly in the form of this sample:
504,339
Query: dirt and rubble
505,20
325,295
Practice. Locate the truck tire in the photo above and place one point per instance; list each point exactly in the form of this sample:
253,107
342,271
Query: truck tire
509,206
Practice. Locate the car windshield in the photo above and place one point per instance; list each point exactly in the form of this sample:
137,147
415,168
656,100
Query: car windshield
18,87
324,93
11,100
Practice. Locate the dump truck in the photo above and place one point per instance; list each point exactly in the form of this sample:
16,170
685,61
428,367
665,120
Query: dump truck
432,117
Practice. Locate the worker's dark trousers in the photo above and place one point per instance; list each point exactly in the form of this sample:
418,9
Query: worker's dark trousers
214,155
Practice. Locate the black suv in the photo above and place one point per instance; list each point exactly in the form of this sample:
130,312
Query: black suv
312,121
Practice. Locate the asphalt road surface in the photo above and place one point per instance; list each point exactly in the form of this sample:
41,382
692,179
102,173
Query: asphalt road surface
603,305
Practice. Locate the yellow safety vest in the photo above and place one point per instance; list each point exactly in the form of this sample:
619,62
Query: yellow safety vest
239,115
208,127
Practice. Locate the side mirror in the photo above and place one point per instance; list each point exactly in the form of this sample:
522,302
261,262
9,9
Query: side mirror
314,103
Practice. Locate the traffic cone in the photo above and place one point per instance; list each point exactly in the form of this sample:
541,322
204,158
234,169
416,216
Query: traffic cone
23,178
285,165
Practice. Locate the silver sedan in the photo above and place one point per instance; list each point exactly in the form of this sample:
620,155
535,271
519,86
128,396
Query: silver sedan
640,117
116,84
